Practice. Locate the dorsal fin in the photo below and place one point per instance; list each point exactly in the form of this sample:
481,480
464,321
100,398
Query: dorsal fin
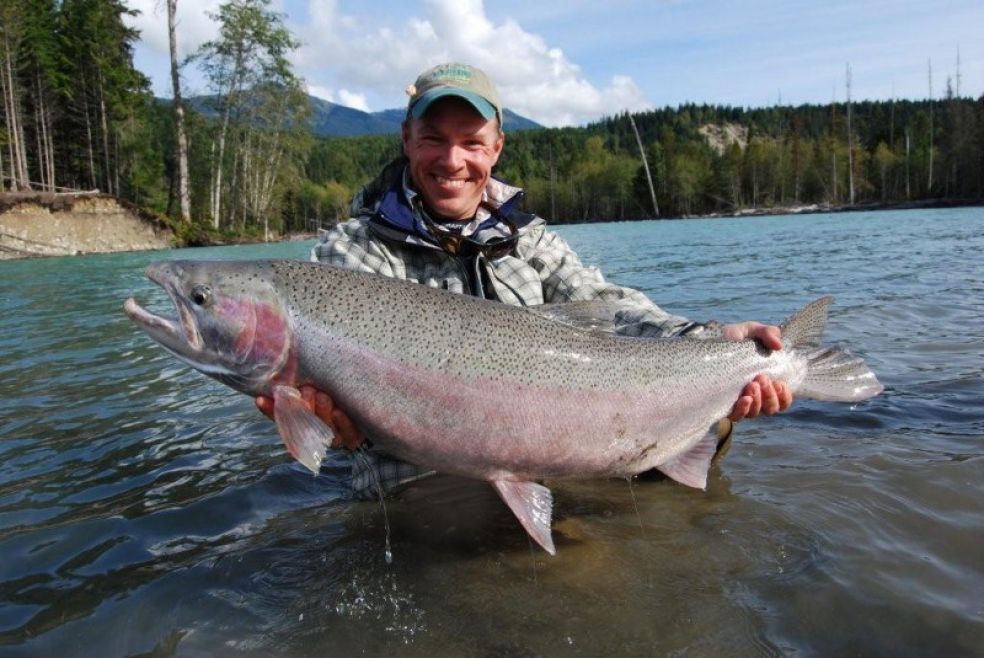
590,315
805,328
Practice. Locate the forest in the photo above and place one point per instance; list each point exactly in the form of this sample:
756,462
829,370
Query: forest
77,115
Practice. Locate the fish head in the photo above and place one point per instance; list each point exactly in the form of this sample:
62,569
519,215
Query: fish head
231,321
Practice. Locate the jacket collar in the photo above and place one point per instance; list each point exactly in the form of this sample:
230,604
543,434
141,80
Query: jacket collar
398,214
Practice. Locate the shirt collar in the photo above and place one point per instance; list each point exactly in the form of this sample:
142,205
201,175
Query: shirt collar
496,195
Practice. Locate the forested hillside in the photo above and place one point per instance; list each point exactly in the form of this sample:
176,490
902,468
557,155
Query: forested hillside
75,111
77,114
706,159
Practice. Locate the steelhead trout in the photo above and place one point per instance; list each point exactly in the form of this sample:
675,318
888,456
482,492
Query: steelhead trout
477,388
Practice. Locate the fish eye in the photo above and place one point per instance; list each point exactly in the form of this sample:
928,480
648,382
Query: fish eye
201,295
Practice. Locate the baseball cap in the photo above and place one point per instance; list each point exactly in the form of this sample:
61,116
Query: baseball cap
454,79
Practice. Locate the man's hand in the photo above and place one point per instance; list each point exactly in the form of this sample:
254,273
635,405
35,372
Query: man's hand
763,395
346,434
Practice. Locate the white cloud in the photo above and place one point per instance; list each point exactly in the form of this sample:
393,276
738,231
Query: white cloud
193,27
361,62
350,99
324,93
534,79
677,51
343,97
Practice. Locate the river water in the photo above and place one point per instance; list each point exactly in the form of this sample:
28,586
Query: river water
147,510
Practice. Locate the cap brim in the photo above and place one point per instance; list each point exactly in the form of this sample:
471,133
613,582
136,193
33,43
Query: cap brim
482,106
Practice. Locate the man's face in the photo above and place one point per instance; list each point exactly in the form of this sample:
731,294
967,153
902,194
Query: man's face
452,150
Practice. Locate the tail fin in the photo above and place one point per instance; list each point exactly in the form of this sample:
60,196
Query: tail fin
835,374
832,373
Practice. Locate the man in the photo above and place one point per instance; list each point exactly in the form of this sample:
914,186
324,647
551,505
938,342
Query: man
437,217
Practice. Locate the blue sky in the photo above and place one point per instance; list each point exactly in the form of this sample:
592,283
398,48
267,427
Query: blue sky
567,63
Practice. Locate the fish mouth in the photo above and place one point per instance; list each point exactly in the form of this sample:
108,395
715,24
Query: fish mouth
181,334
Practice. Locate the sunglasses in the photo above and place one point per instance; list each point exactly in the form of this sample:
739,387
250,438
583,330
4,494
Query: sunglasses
466,246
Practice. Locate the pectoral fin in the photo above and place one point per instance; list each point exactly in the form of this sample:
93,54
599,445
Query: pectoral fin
532,504
691,467
306,436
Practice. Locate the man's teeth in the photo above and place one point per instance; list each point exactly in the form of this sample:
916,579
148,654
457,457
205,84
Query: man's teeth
451,182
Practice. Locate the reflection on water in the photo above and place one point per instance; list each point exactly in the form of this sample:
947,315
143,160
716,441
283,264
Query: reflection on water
146,510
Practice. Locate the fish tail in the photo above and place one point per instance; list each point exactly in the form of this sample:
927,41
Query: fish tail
833,373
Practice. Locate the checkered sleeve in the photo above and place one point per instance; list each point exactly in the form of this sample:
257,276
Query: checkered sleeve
373,471
566,279
350,246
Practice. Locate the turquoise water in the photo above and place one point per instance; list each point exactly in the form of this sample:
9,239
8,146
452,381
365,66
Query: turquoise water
145,509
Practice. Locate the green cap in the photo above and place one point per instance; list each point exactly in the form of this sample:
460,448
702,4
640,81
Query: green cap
454,79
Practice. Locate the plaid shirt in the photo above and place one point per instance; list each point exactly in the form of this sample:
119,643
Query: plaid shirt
541,268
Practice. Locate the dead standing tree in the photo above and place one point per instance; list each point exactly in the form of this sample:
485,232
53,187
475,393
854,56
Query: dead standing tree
929,182
184,196
645,165
850,139
11,41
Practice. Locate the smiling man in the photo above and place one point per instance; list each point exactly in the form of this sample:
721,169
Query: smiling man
437,217
452,139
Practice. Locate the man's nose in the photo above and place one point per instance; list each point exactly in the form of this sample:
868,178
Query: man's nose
453,156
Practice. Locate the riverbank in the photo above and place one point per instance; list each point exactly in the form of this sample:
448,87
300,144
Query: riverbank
34,224
210,239
814,208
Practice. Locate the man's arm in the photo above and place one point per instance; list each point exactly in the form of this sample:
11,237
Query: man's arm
763,395
566,279
350,247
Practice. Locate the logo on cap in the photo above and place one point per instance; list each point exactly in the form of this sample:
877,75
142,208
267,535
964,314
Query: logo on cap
460,80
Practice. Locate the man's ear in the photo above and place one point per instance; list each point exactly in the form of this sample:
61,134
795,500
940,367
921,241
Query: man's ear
405,134
497,147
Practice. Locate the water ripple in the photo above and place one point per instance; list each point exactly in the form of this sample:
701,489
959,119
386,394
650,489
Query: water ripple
147,510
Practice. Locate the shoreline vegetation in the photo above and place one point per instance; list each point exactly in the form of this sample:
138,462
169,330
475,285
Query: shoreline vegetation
811,209
47,225
241,164
816,208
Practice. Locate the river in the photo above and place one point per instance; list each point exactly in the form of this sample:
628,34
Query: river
148,510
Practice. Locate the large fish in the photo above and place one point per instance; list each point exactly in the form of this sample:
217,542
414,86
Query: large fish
477,388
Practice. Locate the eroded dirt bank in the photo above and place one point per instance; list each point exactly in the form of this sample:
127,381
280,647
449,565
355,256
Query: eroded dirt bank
44,224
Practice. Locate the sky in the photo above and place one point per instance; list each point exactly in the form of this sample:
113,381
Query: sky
573,62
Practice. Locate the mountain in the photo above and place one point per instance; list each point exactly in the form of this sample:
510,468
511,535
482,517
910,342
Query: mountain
329,118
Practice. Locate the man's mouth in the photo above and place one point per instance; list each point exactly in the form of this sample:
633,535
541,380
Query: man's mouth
453,183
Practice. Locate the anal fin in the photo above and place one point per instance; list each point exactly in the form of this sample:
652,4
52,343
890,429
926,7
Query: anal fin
532,504
691,467
306,436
